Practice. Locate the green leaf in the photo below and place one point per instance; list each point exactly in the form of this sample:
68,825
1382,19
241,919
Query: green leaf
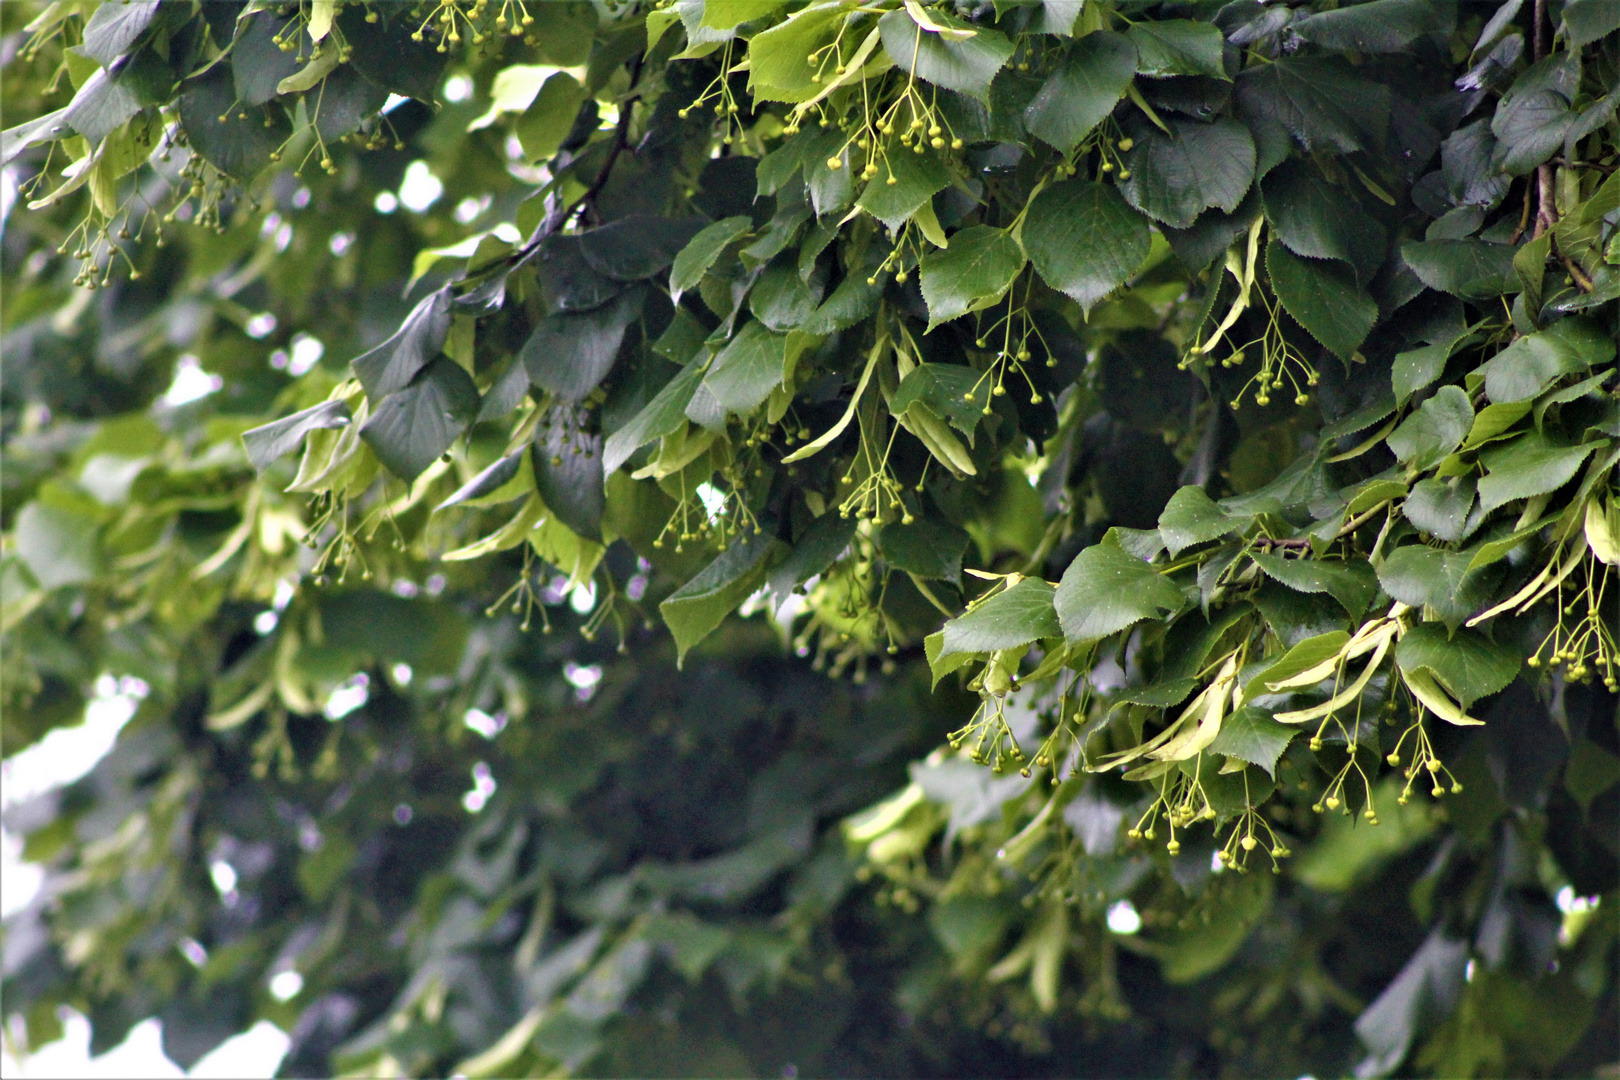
1379,26
1178,47
725,14
58,545
1440,507
342,102
568,471
1585,21
495,484
1350,583
392,365
928,547
1471,269
944,388
782,300
1312,652
1467,663
636,247
383,52
569,354
696,608
815,549
748,369
1418,575
850,304
409,429
1319,221
1250,734
1417,368
1083,239
1191,517
1590,772
1014,617
917,177
1531,464
966,66
1429,435
114,27
1084,86
661,416
1533,362
100,107
256,63
1174,177
977,268
548,119
238,147
780,59
1105,589
1534,117
1493,420
1320,101
267,443
701,251
14,141
1323,297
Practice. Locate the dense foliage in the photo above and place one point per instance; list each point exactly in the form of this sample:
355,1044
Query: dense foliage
859,491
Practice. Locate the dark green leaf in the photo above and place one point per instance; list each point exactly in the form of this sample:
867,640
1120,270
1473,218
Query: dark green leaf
1529,465
1532,363
917,177
1319,221
1417,368
1467,663
637,246
980,265
1323,297
815,549
1178,47
1084,86
944,388
1083,239
267,443
699,254
1419,576
1350,583
257,64
570,354
1300,658
383,52
1320,101
1441,507
342,101
696,608
1191,517
237,147
1534,116
1014,617
928,547
488,481
966,66
1584,21
783,300
114,27
393,364
1379,26
1105,589
1429,435
568,470
854,300
409,429
1250,734
748,369
661,416
1471,269
1174,177
569,281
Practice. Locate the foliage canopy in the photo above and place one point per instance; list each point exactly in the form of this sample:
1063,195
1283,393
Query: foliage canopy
1181,437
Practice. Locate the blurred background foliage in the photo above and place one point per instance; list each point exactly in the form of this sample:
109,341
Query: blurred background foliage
504,840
